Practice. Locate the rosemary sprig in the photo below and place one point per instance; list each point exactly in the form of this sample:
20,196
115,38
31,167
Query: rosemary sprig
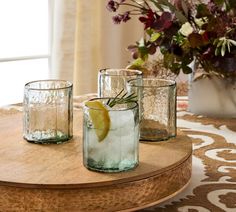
121,99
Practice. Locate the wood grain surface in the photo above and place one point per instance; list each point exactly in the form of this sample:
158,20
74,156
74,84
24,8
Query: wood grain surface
48,177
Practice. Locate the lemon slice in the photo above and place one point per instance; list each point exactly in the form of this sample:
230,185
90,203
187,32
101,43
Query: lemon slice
100,118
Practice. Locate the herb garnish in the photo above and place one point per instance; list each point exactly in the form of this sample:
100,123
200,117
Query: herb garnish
118,99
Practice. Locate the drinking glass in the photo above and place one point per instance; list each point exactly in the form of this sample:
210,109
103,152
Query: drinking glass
48,111
157,106
110,136
112,81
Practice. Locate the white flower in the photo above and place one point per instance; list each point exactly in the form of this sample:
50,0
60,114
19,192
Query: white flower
186,29
200,21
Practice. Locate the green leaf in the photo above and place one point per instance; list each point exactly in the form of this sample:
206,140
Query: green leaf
217,51
136,64
149,31
186,70
228,46
157,4
187,59
143,51
179,38
232,41
219,2
178,13
154,36
232,3
220,42
175,68
168,60
223,48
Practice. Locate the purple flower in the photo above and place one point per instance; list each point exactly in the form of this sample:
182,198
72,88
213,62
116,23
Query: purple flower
126,17
117,19
112,6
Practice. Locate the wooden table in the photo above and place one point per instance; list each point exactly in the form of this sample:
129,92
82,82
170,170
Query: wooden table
53,178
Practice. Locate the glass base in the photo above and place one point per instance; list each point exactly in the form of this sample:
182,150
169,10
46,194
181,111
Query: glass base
48,141
100,167
155,139
154,135
46,137
151,130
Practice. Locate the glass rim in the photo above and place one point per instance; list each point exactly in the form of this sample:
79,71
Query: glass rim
67,85
110,109
172,83
133,71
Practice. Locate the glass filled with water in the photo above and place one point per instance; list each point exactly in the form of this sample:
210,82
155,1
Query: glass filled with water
110,135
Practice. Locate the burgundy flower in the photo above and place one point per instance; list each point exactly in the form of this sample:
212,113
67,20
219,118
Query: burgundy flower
205,37
149,19
112,6
164,22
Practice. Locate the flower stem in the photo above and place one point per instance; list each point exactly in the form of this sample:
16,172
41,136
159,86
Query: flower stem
132,5
145,2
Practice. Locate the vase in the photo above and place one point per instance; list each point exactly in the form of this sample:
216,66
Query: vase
212,96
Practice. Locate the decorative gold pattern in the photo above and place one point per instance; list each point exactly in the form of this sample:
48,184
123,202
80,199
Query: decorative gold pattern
214,142
216,122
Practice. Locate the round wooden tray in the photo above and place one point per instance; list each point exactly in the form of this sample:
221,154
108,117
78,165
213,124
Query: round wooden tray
53,178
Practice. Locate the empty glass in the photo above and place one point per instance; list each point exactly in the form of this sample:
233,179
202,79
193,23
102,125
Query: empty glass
48,111
157,106
112,81
110,136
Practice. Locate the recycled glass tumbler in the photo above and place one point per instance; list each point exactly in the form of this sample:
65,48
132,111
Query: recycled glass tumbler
110,136
112,81
48,111
157,102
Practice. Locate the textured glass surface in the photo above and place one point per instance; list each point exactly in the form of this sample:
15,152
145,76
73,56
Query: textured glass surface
157,100
48,111
118,151
112,81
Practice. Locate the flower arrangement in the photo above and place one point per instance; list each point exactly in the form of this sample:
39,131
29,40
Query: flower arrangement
183,31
